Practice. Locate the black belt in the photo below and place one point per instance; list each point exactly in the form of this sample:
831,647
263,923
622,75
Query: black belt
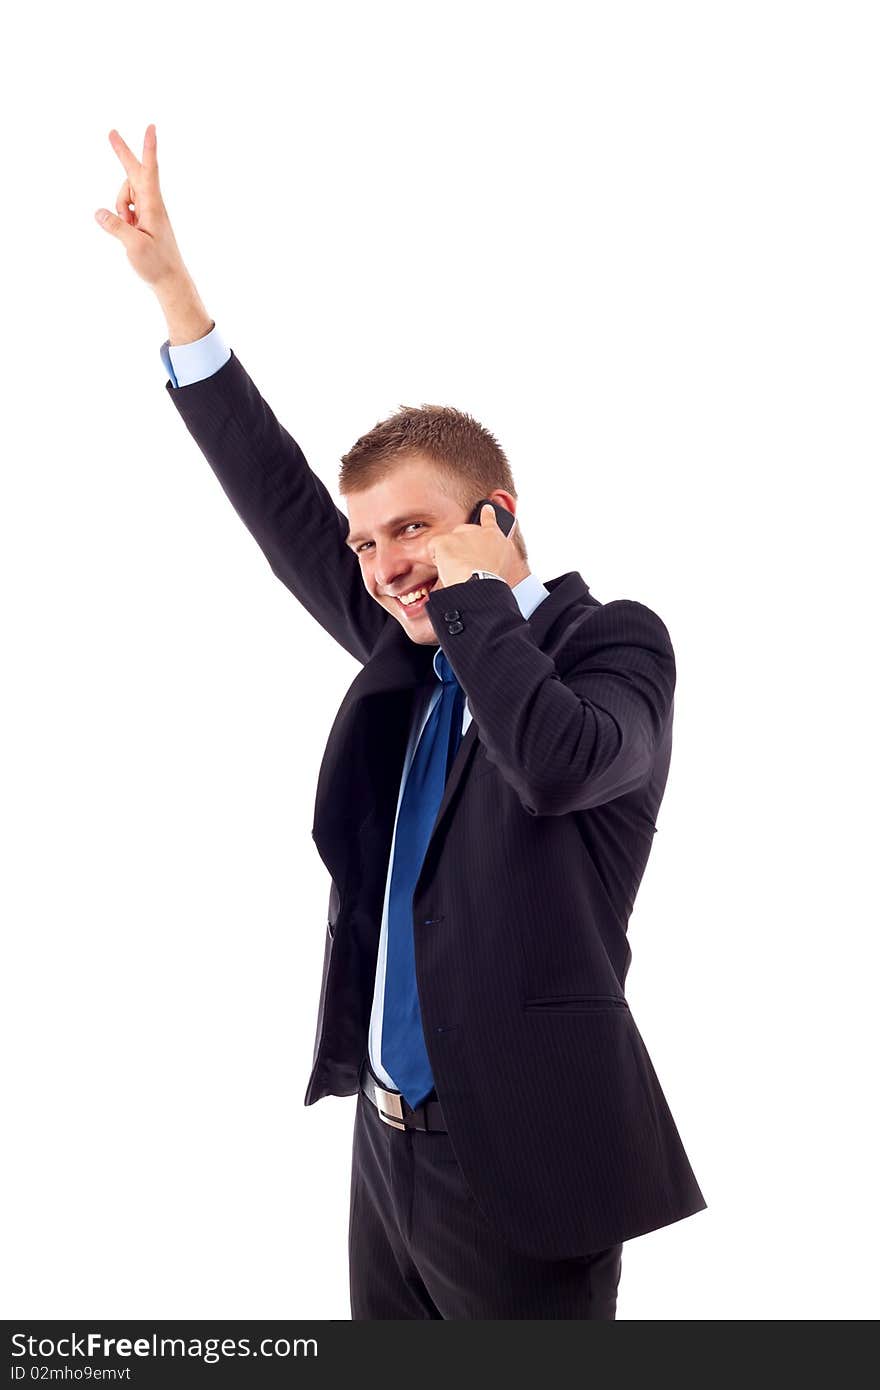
394,1110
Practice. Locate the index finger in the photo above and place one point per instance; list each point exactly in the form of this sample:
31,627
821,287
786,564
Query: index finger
149,155
129,163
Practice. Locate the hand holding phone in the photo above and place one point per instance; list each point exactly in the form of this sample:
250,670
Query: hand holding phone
504,518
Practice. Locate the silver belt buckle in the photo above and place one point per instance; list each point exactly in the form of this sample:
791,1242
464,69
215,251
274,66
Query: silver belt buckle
393,1104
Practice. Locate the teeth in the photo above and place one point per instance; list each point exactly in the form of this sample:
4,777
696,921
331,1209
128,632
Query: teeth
413,596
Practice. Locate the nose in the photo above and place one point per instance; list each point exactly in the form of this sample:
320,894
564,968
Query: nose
393,564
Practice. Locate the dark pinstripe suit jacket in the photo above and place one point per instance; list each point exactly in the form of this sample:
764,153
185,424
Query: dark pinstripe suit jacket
521,907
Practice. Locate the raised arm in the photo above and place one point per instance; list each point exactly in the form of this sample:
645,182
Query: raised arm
259,465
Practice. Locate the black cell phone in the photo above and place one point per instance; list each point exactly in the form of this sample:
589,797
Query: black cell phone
504,518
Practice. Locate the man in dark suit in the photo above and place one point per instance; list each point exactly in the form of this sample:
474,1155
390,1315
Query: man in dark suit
485,808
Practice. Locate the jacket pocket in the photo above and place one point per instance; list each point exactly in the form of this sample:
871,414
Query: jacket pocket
574,1003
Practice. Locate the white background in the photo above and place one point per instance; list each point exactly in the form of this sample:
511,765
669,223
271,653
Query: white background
639,243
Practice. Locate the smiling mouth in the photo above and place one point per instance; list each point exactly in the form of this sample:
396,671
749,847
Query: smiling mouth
414,597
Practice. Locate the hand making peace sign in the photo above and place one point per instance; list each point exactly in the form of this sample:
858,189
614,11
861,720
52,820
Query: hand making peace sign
142,224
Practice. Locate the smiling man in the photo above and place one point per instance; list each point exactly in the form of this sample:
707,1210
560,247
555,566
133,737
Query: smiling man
406,528
485,808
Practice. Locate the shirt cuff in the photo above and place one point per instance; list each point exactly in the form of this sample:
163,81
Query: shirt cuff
186,363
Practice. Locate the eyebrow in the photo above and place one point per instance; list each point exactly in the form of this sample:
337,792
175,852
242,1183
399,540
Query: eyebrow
393,524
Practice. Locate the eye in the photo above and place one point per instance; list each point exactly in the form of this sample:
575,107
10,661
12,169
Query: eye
359,548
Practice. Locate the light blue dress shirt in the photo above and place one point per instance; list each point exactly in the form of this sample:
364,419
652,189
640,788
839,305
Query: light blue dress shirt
529,592
192,362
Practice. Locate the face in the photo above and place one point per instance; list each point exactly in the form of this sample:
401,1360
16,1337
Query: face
389,527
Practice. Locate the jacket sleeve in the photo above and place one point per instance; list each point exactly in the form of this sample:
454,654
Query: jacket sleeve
564,742
282,502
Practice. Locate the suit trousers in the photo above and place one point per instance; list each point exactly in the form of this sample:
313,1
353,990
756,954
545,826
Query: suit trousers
420,1247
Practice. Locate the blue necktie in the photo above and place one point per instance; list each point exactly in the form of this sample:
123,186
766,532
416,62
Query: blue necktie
404,1055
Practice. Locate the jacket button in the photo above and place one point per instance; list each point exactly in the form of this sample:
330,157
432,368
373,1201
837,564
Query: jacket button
456,627
451,615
